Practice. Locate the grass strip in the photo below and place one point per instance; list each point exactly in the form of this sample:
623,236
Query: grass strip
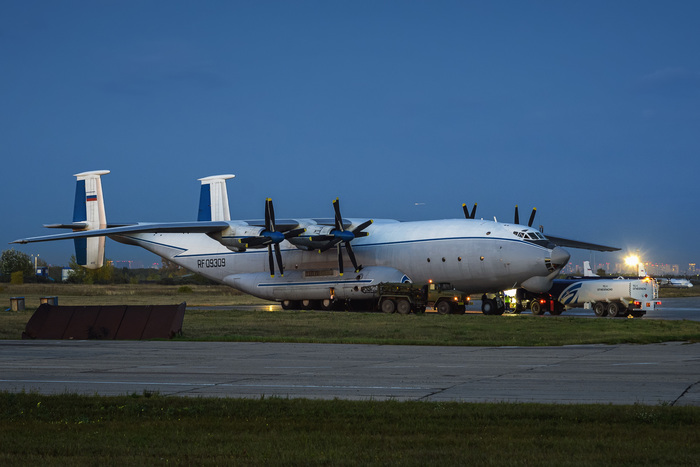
344,327
150,429
430,329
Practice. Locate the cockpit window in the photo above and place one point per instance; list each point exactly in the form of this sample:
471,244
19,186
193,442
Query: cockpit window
529,235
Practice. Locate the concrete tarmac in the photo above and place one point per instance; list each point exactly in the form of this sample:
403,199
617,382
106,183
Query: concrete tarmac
666,373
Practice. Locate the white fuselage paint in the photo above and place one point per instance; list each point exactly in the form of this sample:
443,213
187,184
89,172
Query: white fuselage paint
474,255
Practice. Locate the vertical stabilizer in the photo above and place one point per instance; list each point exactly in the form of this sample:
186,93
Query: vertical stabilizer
587,271
89,210
641,271
213,199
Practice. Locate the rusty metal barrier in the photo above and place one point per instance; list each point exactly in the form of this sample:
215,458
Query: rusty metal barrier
128,322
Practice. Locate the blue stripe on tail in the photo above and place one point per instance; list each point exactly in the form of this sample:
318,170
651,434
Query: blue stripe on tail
79,208
204,203
80,251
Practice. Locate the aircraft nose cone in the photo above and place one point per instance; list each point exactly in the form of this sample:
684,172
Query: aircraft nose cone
559,257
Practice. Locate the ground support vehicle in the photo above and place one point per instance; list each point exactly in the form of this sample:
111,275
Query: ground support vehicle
404,297
606,297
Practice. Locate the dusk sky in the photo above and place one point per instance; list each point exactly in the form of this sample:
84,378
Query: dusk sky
587,110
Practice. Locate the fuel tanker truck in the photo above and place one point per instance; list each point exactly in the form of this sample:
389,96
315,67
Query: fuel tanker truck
606,296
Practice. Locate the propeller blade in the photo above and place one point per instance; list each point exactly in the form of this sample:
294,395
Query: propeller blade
338,217
271,260
358,232
516,220
293,233
351,254
334,241
268,215
532,217
340,259
467,215
278,254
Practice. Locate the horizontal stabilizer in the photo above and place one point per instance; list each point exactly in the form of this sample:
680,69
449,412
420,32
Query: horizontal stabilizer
82,225
74,226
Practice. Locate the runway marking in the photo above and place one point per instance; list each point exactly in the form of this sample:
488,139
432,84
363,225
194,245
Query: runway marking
297,367
629,364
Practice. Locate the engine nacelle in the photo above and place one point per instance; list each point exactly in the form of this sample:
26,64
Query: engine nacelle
231,237
306,242
314,284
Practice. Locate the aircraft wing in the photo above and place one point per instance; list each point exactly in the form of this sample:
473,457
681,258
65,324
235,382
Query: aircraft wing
289,224
81,225
565,242
176,227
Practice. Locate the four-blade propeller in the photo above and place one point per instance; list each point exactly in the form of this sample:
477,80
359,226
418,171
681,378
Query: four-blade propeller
339,236
271,238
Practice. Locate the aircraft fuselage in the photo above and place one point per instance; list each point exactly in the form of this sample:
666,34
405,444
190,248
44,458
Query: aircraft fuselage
474,255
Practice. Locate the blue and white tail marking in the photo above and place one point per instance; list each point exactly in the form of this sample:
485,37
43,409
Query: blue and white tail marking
89,214
213,199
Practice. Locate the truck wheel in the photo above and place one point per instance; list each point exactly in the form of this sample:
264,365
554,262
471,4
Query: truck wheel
600,309
488,306
403,306
558,308
536,308
388,305
613,309
444,307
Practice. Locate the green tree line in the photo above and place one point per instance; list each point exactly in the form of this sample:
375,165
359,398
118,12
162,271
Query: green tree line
17,267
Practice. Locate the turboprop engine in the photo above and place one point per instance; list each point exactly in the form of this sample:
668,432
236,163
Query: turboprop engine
232,237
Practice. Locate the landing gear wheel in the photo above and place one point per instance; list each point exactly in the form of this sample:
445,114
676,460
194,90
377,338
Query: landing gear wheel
488,306
444,308
388,305
403,306
328,304
613,309
290,304
536,308
600,309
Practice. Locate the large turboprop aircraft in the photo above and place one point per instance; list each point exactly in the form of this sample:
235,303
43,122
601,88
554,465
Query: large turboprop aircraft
294,260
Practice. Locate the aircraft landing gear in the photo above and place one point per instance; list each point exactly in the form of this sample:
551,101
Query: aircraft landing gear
291,304
492,304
